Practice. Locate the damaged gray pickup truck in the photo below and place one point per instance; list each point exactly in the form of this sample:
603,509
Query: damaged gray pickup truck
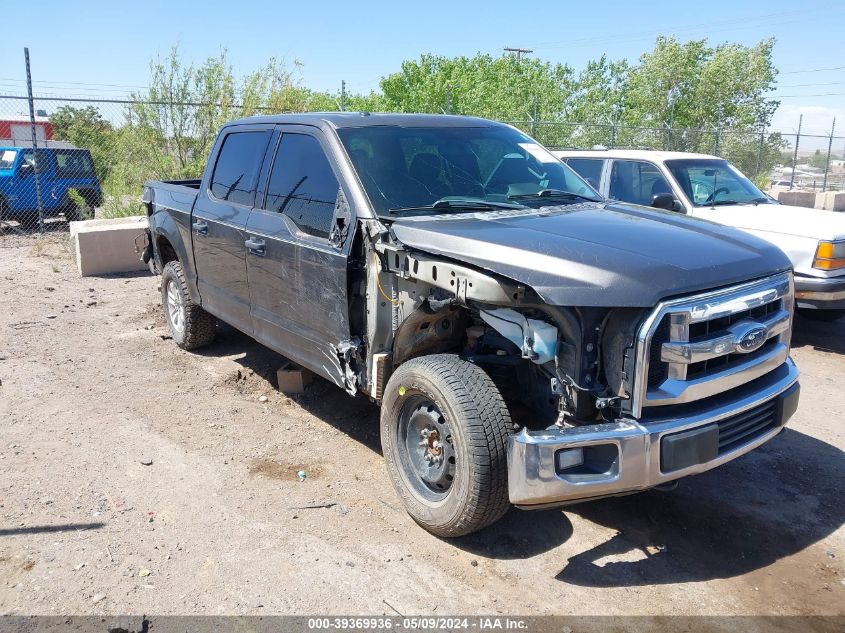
528,342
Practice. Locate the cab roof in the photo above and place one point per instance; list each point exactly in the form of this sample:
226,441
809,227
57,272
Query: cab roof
367,119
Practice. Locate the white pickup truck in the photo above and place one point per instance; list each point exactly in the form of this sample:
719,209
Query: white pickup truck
711,188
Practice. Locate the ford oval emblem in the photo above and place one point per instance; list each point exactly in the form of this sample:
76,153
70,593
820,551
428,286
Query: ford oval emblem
752,340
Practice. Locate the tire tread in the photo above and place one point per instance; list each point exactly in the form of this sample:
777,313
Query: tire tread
200,326
486,421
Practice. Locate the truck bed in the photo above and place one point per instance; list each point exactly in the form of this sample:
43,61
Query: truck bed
176,195
192,183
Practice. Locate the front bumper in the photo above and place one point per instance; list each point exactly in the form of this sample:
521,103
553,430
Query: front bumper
823,293
629,455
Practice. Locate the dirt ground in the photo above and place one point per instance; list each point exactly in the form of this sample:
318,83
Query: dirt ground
219,522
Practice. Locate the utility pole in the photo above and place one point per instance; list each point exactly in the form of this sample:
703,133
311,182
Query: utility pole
760,151
795,154
829,147
517,51
343,96
34,143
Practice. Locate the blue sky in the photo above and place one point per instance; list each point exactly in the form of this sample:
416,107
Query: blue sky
103,47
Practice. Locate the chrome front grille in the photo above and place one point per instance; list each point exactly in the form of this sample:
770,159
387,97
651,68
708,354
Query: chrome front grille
697,347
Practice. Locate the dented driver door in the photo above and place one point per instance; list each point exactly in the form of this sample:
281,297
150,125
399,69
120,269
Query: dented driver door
297,269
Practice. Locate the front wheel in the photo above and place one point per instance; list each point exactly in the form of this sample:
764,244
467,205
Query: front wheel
190,326
444,429
825,316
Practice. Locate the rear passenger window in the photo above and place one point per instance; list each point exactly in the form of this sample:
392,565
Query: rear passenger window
236,172
303,185
636,181
588,168
73,164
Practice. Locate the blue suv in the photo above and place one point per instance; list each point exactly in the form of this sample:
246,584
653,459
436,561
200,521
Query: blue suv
59,171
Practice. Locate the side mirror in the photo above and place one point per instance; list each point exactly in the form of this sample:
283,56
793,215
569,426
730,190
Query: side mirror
25,169
664,201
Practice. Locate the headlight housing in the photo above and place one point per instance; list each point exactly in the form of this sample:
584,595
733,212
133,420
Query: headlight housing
830,256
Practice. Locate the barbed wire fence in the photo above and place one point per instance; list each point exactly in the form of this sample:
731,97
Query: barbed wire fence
67,157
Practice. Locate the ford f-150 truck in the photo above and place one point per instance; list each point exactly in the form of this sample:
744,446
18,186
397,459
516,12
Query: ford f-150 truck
528,342
711,188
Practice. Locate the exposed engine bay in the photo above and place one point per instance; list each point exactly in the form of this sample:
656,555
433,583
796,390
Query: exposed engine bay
554,366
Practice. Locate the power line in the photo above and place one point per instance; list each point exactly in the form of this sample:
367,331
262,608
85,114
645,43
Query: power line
681,27
812,70
822,94
824,83
70,83
746,22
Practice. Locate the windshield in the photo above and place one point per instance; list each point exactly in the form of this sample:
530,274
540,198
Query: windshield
709,181
458,168
7,158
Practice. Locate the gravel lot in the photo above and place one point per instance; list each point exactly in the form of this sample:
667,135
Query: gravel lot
218,522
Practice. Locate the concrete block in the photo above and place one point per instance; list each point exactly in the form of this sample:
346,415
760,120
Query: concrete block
831,200
798,198
292,378
102,247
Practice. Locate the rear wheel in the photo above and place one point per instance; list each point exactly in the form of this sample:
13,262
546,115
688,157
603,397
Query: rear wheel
73,213
190,326
444,428
826,316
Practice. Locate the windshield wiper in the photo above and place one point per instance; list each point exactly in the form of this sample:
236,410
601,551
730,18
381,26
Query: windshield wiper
719,203
551,193
458,204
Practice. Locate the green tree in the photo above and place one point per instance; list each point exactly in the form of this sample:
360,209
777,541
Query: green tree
494,87
169,128
692,85
819,159
85,128
597,99
694,97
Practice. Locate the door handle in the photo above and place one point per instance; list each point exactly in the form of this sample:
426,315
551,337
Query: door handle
254,246
200,228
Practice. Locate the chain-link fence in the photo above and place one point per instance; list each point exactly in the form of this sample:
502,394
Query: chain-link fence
78,158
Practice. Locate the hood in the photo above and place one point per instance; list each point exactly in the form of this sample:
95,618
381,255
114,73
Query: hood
597,254
780,218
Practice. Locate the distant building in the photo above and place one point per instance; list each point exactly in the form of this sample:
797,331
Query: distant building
17,130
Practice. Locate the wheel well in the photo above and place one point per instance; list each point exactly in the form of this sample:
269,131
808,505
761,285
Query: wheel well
425,332
166,251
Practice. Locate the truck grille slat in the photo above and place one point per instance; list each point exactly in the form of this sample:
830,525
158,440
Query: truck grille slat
702,346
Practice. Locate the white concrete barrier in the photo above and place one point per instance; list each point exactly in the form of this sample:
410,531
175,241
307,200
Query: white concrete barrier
829,200
798,198
102,247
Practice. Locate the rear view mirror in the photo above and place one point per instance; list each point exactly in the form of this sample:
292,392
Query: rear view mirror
664,201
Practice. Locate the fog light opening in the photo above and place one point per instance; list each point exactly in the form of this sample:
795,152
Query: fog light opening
591,462
569,458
